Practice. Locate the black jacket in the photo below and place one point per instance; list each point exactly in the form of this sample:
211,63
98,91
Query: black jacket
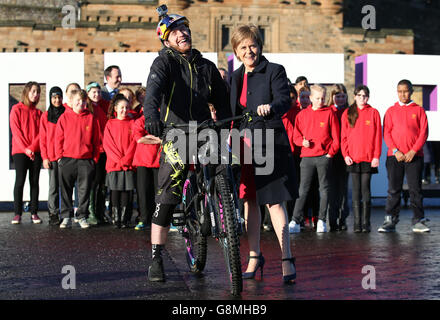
267,84
182,89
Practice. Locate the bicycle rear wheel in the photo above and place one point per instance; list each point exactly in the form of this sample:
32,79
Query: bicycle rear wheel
229,239
195,243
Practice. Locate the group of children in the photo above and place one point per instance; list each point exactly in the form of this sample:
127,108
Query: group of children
88,143
334,139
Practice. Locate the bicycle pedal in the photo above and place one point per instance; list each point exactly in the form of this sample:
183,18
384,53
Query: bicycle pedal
178,218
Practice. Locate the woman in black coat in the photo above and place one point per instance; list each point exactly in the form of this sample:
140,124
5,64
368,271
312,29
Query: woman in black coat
261,87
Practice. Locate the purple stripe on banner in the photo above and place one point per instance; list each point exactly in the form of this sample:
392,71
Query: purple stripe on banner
429,97
361,70
433,100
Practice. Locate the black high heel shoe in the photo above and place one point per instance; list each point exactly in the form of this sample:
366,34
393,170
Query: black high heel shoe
260,264
290,278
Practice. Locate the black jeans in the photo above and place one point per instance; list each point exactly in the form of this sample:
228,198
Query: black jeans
22,164
308,167
361,187
98,187
53,200
146,189
71,171
396,172
338,205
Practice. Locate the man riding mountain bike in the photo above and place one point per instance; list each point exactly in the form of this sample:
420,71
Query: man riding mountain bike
181,83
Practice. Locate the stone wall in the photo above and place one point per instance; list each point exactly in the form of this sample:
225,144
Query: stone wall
288,26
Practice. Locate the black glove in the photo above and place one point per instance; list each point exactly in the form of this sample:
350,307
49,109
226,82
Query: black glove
154,127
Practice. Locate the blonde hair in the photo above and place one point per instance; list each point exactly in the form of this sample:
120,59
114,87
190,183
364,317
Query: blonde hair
317,88
246,32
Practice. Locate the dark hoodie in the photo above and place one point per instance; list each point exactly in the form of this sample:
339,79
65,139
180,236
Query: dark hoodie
182,88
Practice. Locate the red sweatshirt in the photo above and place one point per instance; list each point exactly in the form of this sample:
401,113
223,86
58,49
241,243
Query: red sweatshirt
338,111
146,155
363,142
25,127
119,145
289,123
321,128
77,136
101,116
405,128
47,138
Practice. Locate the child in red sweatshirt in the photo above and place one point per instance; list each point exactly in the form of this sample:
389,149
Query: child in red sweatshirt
146,161
338,206
77,152
405,131
361,145
99,107
48,127
24,120
317,131
120,147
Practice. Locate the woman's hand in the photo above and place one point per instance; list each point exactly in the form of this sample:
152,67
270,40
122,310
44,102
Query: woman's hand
348,161
263,110
149,139
375,163
306,143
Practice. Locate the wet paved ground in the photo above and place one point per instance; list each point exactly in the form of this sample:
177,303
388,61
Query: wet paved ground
112,264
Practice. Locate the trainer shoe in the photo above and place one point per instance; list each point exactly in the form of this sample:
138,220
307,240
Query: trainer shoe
140,226
83,223
16,220
66,223
294,227
36,219
173,228
321,227
389,225
155,271
421,226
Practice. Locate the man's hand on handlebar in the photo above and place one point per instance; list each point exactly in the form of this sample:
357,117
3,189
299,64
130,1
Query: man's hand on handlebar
154,127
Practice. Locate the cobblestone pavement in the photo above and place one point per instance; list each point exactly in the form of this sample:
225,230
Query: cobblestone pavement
112,264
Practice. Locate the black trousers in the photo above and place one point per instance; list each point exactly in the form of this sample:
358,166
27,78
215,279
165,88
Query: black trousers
98,186
338,205
361,186
81,171
23,164
53,200
308,167
146,189
396,172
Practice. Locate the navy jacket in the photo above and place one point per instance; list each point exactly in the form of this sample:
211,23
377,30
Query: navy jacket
267,84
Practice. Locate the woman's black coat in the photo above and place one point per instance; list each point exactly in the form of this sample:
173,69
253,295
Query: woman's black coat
267,84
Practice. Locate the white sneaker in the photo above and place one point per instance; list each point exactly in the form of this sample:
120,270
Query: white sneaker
321,227
294,227
83,223
67,223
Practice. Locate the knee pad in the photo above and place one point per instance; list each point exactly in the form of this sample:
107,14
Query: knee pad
163,214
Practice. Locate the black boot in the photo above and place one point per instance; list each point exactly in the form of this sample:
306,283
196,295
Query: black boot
116,217
156,270
54,219
366,213
125,218
357,216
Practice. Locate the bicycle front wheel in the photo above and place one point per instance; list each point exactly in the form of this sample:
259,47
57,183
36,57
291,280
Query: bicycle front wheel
228,239
196,243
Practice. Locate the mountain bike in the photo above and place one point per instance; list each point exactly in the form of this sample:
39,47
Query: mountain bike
210,207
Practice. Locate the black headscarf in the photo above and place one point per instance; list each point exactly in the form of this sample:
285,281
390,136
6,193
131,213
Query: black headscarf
53,113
